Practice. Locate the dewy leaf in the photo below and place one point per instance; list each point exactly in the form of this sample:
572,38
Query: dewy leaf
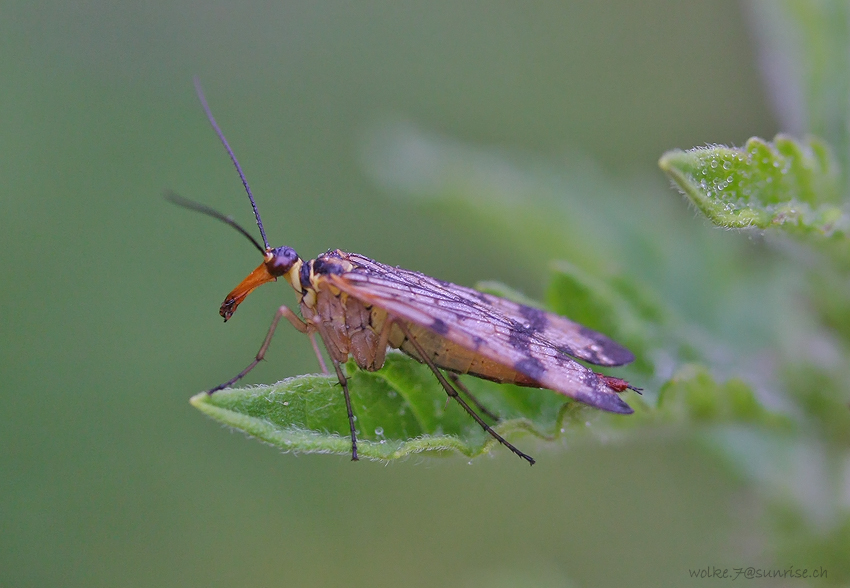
804,54
400,410
784,184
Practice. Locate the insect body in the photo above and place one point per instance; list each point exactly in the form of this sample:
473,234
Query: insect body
359,307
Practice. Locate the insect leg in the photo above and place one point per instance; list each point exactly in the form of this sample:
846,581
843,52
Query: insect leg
302,326
454,394
344,383
282,311
460,386
381,355
383,340
318,354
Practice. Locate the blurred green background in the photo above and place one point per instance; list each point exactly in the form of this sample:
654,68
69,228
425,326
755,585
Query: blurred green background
110,295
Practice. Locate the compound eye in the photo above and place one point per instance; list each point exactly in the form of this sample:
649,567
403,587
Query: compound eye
282,260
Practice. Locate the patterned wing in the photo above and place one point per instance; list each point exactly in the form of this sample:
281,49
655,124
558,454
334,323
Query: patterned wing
565,335
507,333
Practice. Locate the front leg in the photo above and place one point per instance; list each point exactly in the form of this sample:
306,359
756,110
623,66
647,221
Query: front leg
281,312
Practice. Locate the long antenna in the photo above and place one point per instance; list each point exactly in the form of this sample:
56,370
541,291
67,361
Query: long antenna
218,132
177,199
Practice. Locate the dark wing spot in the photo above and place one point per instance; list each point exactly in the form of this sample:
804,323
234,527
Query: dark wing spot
439,326
531,367
477,341
608,401
613,353
536,318
591,355
518,336
481,296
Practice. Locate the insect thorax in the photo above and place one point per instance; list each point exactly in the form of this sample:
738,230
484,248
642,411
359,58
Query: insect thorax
345,324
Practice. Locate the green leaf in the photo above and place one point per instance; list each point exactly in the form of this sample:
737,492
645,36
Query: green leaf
693,395
805,56
781,184
400,410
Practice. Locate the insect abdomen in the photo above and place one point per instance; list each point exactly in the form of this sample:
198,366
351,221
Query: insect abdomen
453,357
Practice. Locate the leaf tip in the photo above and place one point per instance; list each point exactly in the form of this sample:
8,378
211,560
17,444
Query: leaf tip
198,399
668,159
